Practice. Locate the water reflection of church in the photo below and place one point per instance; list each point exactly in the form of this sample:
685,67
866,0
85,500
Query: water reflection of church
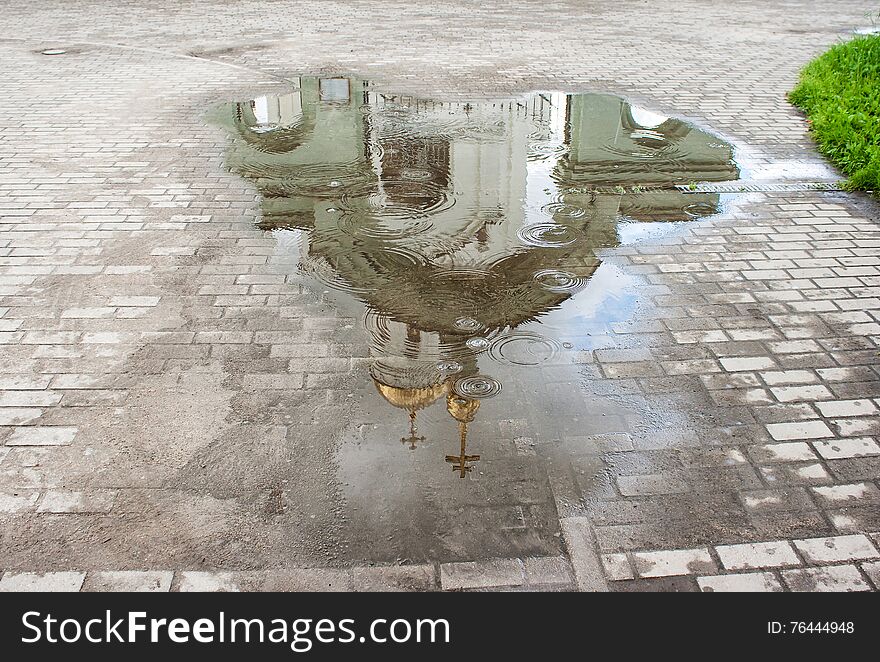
456,223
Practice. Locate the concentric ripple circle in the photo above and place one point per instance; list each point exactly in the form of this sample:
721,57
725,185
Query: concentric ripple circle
467,324
449,367
415,174
477,344
554,280
547,235
477,386
401,209
561,209
524,349
541,151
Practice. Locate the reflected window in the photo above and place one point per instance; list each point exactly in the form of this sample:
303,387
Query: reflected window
336,90
270,113
645,118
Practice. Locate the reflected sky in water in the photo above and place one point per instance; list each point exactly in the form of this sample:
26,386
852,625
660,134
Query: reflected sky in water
469,232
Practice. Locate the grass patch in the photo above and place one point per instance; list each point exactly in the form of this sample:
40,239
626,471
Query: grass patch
840,93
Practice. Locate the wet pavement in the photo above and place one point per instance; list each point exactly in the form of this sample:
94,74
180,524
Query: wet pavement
263,329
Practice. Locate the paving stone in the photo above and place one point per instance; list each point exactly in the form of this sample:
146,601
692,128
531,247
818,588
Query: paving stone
646,485
134,301
799,430
739,364
25,399
298,580
90,501
208,582
837,548
757,555
23,382
789,452
800,393
19,501
481,574
730,381
770,500
800,473
854,519
751,582
42,436
848,494
838,578
394,578
97,312
19,415
129,581
873,571
846,448
282,381
777,377
580,543
548,570
62,582
617,567
846,408
673,562
678,584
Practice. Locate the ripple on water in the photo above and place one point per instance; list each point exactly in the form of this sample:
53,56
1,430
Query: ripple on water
524,348
555,280
564,210
323,272
480,131
377,327
699,209
547,235
399,123
646,144
321,180
392,371
541,151
477,386
467,324
461,351
386,260
449,367
402,209
386,229
478,344
415,174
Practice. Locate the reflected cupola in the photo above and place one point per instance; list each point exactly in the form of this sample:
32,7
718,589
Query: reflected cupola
463,410
409,387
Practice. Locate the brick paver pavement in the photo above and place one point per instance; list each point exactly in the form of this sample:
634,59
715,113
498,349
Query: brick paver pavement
177,413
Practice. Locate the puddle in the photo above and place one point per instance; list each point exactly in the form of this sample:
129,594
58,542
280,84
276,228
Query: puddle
468,238
464,229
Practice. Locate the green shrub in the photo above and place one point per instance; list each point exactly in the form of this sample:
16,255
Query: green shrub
840,93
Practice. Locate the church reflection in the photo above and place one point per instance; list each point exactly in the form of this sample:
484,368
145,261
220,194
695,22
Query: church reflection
457,223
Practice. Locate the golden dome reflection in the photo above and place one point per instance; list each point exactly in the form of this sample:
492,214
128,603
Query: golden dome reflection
411,399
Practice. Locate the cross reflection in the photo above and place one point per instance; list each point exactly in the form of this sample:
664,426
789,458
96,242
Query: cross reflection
460,462
413,438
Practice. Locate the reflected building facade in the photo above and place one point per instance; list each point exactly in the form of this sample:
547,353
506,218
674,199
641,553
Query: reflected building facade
456,224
